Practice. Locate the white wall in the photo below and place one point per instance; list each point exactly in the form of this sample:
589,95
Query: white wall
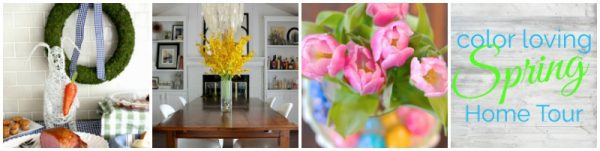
193,60
24,81
192,11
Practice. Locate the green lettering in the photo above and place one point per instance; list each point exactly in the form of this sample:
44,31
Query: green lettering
480,65
576,81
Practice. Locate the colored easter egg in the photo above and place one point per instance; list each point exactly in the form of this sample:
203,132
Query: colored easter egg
320,103
373,125
418,122
371,140
389,119
339,141
397,137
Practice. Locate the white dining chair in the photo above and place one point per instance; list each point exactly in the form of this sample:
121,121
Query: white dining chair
198,143
272,102
284,110
167,111
182,100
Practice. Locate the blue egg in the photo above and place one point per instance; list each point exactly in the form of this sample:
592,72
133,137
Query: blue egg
320,104
315,89
373,125
371,140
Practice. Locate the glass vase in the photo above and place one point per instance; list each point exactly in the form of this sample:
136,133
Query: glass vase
226,94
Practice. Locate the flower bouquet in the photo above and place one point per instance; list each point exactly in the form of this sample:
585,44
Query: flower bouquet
374,77
223,55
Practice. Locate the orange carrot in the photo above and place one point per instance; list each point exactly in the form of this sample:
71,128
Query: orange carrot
70,93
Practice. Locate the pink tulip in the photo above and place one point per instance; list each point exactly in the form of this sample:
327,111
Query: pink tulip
361,71
385,13
390,45
321,55
417,121
430,75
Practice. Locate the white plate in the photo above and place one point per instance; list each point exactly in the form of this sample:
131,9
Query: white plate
93,141
32,127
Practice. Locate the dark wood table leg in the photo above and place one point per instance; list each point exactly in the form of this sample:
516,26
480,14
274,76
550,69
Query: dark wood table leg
171,140
284,139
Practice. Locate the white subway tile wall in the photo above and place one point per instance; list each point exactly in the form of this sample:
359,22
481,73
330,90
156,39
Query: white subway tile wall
24,81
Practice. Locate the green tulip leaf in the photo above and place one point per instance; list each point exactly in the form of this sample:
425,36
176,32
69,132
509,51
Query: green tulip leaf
340,34
423,46
309,28
412,21
440,107
361,41
354,15
444,50
350,110
402,91
330,19
424,25
363,31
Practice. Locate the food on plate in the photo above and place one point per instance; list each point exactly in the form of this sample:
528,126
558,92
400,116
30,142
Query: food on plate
61,137
14,129
14,125
24,124
6,132
70,93
17,118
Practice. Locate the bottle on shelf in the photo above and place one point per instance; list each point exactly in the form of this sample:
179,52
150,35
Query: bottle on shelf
269,61
296,65
274,62
294,85
285,64
292,64
278,62
274,83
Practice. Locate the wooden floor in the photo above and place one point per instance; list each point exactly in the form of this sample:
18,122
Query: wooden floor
159,140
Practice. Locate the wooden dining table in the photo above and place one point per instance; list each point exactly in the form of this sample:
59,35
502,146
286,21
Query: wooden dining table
249,118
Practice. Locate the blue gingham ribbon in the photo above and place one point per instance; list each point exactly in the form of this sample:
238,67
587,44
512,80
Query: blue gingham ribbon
99,41
83,8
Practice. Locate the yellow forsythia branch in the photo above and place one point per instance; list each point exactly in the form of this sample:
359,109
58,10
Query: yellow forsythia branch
223,55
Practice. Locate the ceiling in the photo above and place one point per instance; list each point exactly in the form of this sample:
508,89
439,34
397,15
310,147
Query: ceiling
291,8
162,7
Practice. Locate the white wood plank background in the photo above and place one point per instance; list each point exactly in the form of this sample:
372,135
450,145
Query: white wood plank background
513,18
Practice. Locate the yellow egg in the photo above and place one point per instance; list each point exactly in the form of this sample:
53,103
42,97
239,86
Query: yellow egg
389,119
397,137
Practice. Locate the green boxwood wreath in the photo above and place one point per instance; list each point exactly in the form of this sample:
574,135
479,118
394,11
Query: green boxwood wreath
120,17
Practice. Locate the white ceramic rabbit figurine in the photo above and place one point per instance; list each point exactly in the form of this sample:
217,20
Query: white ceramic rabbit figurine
54,90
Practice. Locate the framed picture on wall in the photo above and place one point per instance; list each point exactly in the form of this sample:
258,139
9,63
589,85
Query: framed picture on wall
244,30
177,32
167,55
